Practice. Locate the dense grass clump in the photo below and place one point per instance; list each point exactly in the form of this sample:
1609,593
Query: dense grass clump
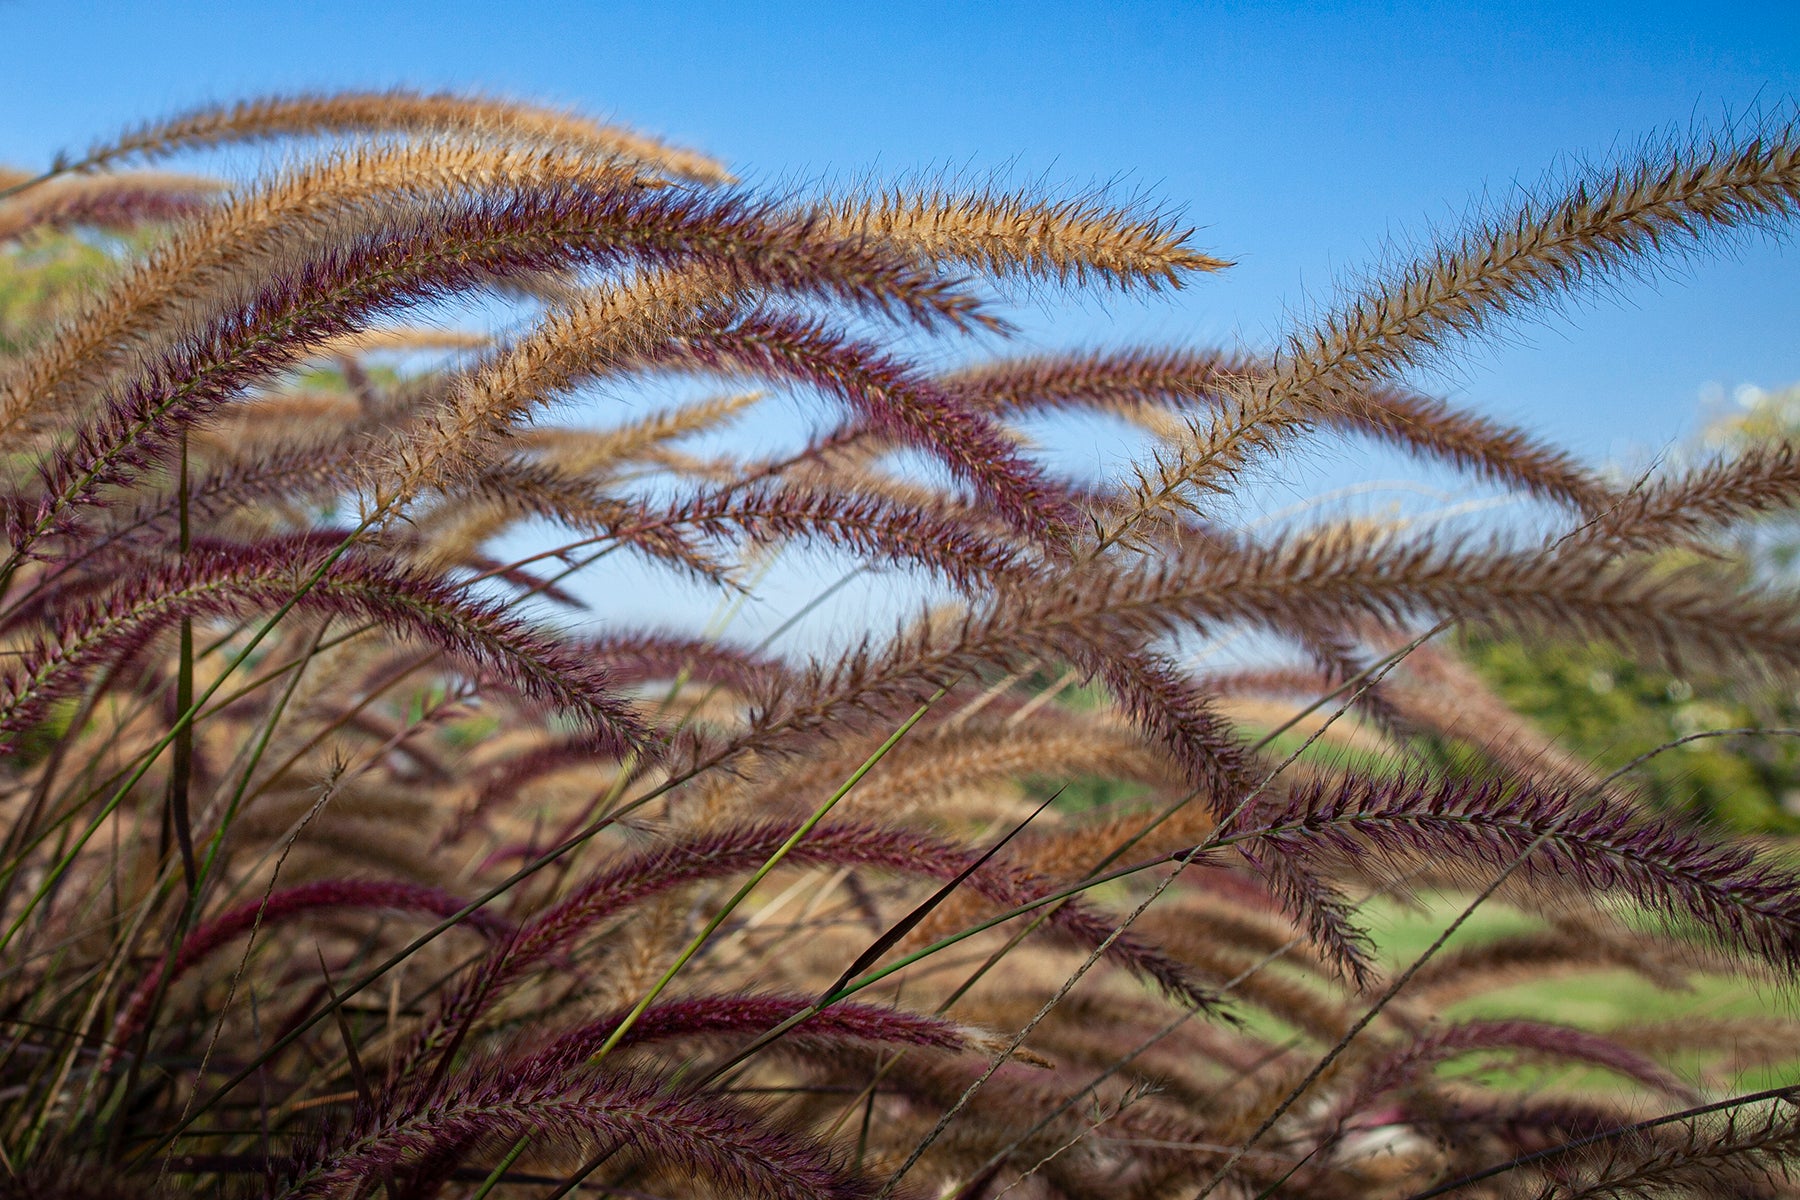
339,861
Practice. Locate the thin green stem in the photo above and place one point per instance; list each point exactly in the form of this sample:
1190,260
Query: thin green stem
793,839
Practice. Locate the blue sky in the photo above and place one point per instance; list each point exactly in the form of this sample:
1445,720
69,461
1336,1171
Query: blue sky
1304,141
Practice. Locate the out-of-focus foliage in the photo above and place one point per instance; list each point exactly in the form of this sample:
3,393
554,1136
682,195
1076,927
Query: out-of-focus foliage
1600,705
43,282
1603,706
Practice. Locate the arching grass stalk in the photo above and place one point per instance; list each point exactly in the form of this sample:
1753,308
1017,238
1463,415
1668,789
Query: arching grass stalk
1181,863
738,897
183,720
1789,1093
730,906
214,849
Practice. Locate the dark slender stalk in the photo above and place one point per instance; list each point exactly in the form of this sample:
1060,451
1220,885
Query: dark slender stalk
181,754
1788,1092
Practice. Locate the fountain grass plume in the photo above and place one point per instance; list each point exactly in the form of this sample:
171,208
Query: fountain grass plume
313,660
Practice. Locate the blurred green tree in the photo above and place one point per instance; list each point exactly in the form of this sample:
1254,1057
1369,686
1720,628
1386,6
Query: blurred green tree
43,278
1600,705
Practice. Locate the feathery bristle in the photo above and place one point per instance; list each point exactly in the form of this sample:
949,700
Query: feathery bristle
440,114
1072,241
1613,222
111,202
1600,848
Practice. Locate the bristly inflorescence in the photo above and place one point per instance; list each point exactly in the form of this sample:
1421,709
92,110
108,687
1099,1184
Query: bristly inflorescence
342,857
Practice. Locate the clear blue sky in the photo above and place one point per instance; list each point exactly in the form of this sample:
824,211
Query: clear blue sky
1302,139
